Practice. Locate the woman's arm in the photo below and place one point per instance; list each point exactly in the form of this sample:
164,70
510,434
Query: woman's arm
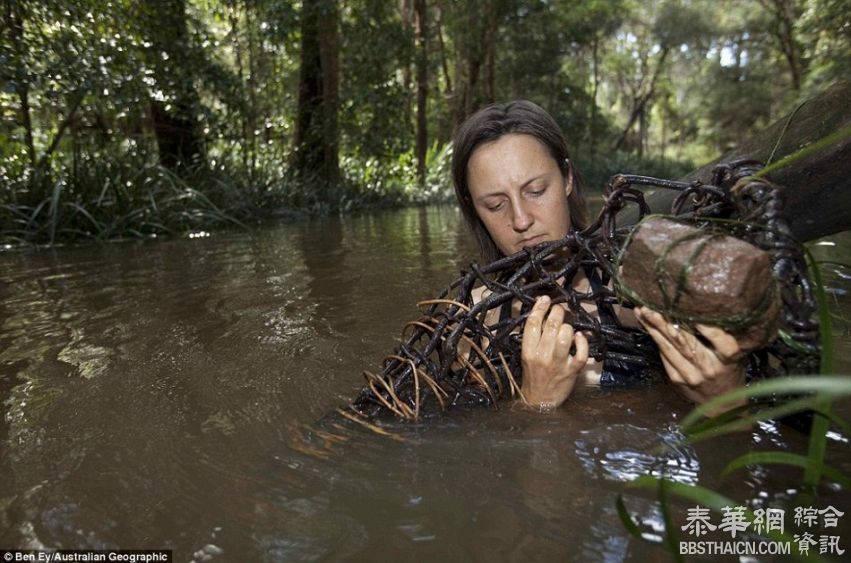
700,372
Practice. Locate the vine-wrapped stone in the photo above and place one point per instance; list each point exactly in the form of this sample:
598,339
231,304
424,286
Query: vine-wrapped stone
696,277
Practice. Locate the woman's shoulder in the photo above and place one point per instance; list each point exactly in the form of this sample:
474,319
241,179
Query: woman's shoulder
479,293
482,292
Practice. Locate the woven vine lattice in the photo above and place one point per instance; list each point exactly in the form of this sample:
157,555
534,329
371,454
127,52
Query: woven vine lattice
458,353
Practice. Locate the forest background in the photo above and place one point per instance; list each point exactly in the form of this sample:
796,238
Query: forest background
145,117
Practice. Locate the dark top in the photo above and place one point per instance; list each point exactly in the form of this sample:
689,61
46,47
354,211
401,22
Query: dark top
622,366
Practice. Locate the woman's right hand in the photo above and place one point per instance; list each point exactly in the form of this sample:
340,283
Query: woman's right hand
549,371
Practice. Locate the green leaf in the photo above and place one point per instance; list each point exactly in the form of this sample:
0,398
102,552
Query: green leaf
709,498
818,432
784,458
832,386
626,518
779,411
696,493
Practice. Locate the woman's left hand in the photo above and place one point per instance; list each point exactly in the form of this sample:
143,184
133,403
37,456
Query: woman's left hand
700,372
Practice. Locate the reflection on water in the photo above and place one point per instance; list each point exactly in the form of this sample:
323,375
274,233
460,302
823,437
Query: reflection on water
182,394
604,456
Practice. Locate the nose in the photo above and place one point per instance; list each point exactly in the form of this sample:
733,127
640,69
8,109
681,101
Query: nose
521,219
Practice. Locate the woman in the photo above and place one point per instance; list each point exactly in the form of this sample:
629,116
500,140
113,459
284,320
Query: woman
517,187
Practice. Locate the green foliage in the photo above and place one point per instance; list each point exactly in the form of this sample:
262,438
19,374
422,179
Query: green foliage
372,182
826,33
813,395
375,111
135,200
598,168
679,23
209,90
826,390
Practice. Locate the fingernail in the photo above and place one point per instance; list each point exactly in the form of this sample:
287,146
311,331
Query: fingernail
543,299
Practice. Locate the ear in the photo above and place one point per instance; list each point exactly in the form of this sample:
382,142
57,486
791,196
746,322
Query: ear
568,182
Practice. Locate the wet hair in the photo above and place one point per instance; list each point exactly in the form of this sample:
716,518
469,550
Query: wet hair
490,124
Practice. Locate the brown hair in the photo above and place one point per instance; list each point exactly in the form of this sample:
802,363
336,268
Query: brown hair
488,125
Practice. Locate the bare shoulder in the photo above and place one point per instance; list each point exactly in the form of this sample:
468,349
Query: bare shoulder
479,293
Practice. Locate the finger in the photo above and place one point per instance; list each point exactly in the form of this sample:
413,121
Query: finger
580,358
687,345
673,373
532,328
676,365
563,342
650,321
680,370
550,330
649,316
724,344
682,340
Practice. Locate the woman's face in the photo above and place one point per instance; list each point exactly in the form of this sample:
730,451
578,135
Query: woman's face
519,192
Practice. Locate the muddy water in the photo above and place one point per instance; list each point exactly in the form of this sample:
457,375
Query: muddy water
176,394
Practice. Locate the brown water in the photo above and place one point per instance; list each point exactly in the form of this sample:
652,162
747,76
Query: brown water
174,394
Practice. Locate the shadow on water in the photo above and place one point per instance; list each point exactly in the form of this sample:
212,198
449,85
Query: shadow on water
329,282
182,394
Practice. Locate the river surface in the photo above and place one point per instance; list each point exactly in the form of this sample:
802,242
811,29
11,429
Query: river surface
176,394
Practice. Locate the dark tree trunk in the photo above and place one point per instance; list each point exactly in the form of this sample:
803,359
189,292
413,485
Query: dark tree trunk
240,68
316,134
783,30
406,10
178,142
254,108
818,186
595,63
329,51
175,124
422,88
467,60
642,101
489,43
444,63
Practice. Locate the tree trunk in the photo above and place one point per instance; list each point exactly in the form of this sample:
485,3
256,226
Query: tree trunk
329,51
243,113
595,63
642,101
818,186
406,10
175,125
422,88
468,62
254,107
489,43
316,134
783,12
443,61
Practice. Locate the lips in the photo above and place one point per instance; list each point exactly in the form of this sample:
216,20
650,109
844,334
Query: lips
532,241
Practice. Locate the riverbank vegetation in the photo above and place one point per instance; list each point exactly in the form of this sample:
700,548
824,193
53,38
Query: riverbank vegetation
125,118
